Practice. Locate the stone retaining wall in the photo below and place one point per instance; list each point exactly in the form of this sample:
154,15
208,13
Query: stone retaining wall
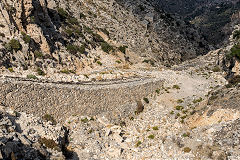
64,100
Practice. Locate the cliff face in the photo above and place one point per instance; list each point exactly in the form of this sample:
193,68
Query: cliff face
60,34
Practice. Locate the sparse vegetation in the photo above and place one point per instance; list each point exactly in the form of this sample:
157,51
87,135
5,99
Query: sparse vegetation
179,101
197,100
138,143
40,72
216,69
13,44
118,61
176,86
100,63
38,54
146,100
49,143
11,69
123,49
187,149
73,21
26,38
105,31
179,107
31,76
106,47
73,49
157,91
48,117
234,52
155,128
151,136
67,71
236,34
187,134
84,120
62,13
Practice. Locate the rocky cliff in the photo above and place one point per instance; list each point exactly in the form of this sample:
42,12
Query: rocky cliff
57,34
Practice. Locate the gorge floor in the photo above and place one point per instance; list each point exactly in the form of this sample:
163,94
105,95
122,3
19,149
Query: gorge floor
166,129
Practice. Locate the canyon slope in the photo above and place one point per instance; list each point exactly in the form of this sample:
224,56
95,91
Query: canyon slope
119,79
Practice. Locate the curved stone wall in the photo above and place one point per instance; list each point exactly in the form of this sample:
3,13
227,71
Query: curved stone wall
64,100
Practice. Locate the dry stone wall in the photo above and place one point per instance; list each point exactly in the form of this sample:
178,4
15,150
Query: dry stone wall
64,100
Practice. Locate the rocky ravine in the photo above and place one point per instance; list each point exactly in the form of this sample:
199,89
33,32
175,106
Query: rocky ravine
184,120
195,115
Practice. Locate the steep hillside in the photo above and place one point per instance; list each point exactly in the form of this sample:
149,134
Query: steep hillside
70,36
215,18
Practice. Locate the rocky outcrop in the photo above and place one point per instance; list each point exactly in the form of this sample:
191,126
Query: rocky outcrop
27,137
56,34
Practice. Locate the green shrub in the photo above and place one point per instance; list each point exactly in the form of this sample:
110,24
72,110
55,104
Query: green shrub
48,117
98,38
66,71
236,34
186,134
26,38
49,143
82,15
151,136
105,31
84,120
197,100
13,44
32,19
38,54
157,91
179,101
118,61
11,69
31,76
138,143
216,69
69,32
187,149
106,47
100,63
73,21
176,87
155,128
62,13
40,72
146,100
235,51
75,49
123,49
179,107
87,29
